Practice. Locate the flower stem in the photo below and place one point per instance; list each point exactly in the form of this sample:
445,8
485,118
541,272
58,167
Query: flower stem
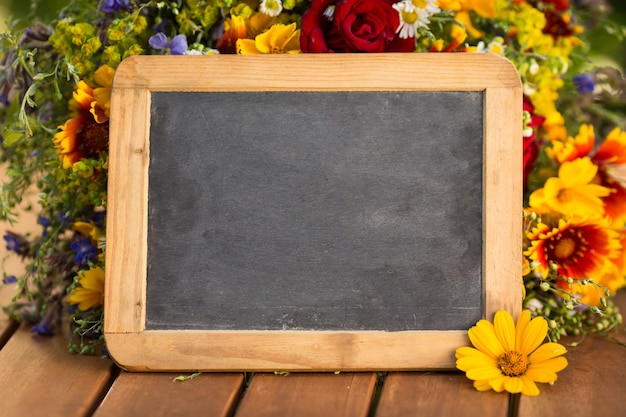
513,405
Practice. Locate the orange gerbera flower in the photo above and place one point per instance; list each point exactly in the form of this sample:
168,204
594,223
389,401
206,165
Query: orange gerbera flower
578,248
86,135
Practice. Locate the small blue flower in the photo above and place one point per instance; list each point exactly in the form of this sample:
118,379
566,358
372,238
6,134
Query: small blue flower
42,329
85,251
584,83
159,41
45,223
98,218
9,279
14,243
178,45
114,5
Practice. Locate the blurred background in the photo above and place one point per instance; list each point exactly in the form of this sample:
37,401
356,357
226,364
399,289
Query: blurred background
605,46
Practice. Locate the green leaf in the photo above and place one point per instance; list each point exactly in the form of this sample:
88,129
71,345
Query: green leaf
12,138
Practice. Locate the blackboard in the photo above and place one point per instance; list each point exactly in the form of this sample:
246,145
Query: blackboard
321,220
267,216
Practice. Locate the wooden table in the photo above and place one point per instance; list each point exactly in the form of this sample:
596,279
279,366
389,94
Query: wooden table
39,378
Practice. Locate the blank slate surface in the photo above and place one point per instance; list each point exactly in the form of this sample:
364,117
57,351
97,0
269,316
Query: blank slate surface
315,211
310,212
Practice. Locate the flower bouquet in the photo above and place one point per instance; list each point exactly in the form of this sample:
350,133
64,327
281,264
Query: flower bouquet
55,99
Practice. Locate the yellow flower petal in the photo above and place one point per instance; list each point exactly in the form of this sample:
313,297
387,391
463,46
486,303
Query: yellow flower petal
497,384
486,373
530,388
513,384
482,385
520,329
547,351
546,371
104,76
505,329
247,46
534,334
91,291
483,337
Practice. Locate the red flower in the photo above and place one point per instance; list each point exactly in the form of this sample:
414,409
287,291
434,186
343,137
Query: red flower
352,26
531,147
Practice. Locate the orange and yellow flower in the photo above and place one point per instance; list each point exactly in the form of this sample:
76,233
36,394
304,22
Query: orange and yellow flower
86,134
577,248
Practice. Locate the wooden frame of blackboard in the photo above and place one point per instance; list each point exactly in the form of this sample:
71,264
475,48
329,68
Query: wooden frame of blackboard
136,348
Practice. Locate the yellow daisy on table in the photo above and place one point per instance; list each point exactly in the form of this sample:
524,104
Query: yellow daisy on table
510,357
90,293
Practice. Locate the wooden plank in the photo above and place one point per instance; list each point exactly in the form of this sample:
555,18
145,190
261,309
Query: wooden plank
7,327
38,377
437,394
309,395
592,384
157,394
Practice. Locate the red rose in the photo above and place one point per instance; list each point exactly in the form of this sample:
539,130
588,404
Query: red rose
353,26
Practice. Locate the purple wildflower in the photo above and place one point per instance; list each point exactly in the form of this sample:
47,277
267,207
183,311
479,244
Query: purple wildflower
178,45
85,251
42,329
9,279
584,83
14,243
111,6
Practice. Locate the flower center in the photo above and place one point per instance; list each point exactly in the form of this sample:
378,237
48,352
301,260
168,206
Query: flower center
409,16
420,4
94,138
564,248
513,363
566,245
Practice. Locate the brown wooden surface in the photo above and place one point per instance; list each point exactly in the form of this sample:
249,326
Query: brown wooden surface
437,394
38,377
594,383
158,394
309,395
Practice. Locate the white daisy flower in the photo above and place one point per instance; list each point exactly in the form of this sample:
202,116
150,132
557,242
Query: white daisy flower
271,7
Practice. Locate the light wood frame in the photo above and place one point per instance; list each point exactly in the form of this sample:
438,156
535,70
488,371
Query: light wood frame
137,349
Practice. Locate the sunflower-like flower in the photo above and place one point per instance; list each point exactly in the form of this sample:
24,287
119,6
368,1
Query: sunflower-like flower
511,357
87,133
578,248
90,293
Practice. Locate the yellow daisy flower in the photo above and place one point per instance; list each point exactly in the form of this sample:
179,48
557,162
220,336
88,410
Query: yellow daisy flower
509,357
91,291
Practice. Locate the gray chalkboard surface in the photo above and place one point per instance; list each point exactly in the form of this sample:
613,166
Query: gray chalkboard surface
310,212
315,210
